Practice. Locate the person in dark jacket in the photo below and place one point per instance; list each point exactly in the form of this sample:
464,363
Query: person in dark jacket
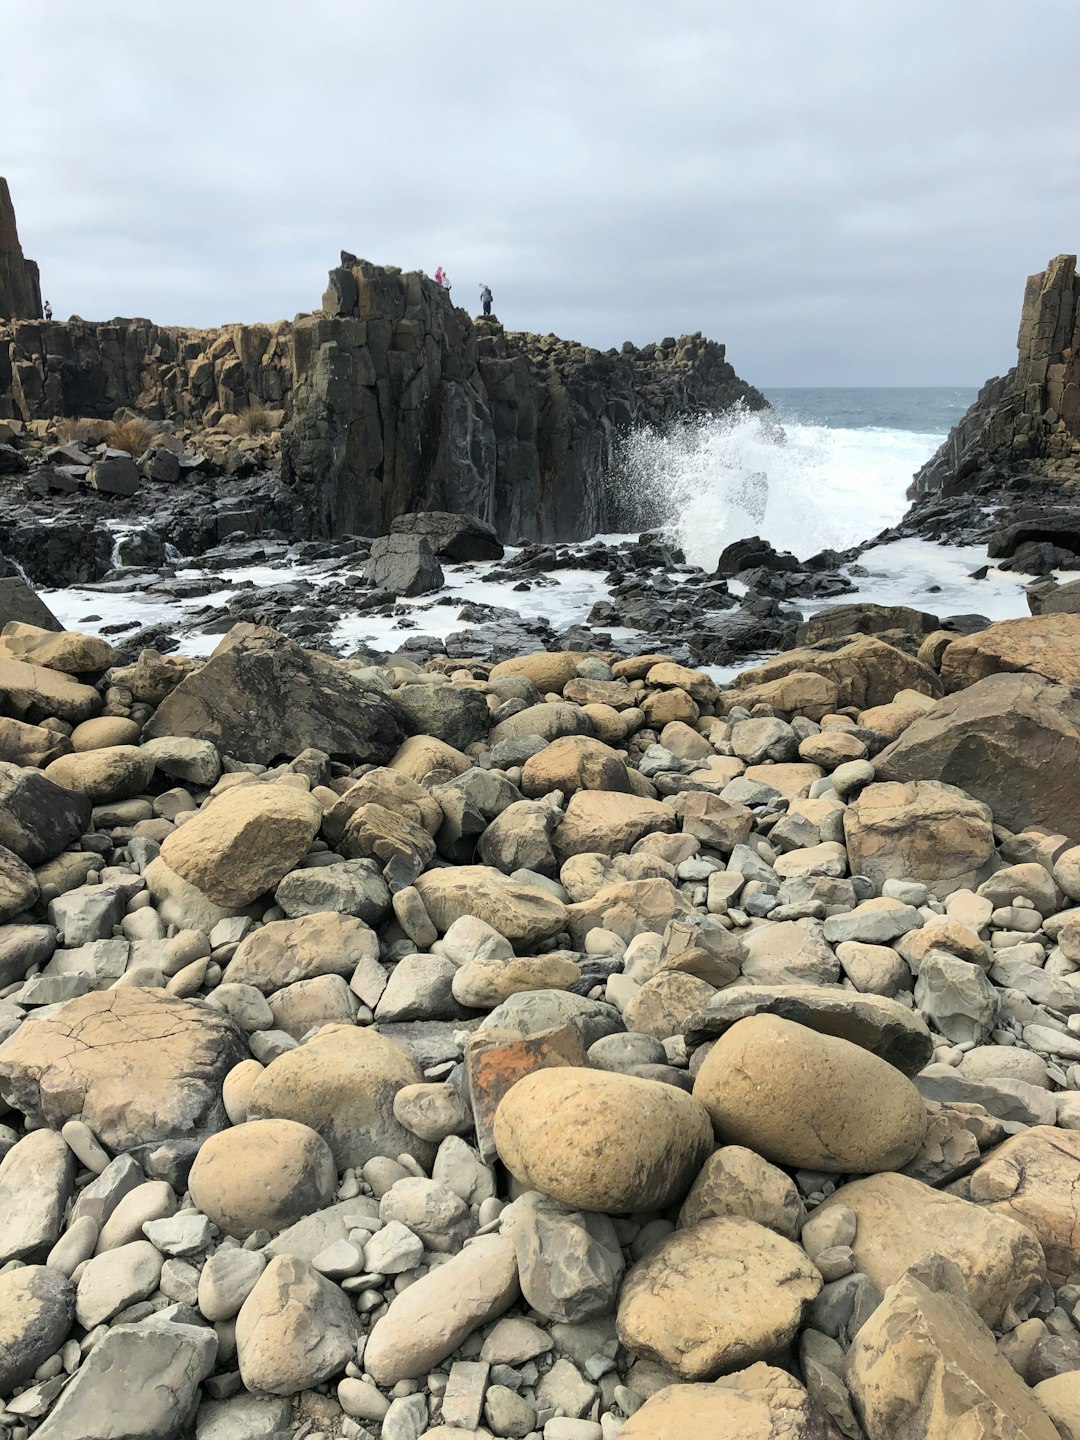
485,297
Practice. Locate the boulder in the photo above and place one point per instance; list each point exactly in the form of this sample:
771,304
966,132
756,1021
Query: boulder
404,564
33,692
428,1321
550,721
629,908
810,1100
923,830
901,1222
574,762
38,818
926,1367
294,1330
457,538
19,888
262,1175
18,601
569,1261
840,621
597,1140
759,1403
342,1083
116,772
394,791
68,650
244,842
140,1067
23,744
548,670
37,1307
455,714
522,914
285,951
609,823
37,1176
1032,1178
998,740
735,1182
139,1381
261,696
884,1027
114,474
865,672
720,1295
1047,645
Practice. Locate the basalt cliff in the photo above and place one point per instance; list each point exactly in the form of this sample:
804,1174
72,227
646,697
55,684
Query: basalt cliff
1023,431
390,399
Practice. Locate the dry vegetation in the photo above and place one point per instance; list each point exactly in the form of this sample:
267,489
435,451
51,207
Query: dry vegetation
132,434
255,419
79,432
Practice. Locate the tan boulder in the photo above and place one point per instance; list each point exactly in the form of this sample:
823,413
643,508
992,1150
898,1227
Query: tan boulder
484,983
924,831
664,707
866,671
180,903
391,789
294,1330
372,832
429,1320
758,1403
342,1083
736,1182
783,952
549,670
598,1140
607,723
925,1367
796,692
308,1004
793,778
138,1065
903,710
422,755
629,909
1060,1398
831,748
663,1006
806,1099
617,694
610,823
104,731
244,842
583,876
901,1222
720,1295
33,692
574,762
1034,1178
113,773
522,914
667,675
262,1175
1047,645
286,951
66,650
22,744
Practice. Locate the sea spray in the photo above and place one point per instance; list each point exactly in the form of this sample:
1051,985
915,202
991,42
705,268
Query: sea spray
805,487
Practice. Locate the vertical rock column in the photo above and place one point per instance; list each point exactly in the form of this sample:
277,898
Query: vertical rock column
20,287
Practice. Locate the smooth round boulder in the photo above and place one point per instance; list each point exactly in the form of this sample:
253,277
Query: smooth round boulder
37,1306
720,1295
814,1101
598,1140
115,772
262,1175
104,731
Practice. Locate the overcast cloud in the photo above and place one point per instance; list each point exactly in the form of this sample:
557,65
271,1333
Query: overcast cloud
845,191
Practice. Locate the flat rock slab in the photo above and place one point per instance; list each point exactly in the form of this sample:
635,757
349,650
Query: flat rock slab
882,1026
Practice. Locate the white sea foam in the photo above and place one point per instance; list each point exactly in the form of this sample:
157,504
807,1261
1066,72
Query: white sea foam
803,487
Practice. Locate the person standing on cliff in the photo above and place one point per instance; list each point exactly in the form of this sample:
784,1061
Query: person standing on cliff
48,310
442,279
485,297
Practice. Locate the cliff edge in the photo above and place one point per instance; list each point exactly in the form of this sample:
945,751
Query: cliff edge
1026,424
20,288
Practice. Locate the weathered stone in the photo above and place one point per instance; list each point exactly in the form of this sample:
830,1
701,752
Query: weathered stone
601,1141
569,1262
884,1027
262,1175
261,696
496,1059
924,1365
244,842
428,1321
65,650
522,914
453,713
38,819
403,564
33,693
37,1306
113,773
294,1330
342,1082
572,763
923,830
722,1294
604,821
758,1403
900,1222
735,1182
286,951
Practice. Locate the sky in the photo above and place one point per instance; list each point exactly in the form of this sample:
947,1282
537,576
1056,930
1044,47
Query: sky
844,192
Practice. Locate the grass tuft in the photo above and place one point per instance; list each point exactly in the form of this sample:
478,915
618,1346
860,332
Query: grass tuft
133,434
255,419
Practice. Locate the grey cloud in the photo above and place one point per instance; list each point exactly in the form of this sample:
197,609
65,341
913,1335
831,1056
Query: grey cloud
843,193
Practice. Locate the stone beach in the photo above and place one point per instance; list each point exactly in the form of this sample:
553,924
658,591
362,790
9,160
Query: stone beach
566,1047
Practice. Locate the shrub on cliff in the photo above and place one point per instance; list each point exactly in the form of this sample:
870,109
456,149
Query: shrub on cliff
132,433
255,419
